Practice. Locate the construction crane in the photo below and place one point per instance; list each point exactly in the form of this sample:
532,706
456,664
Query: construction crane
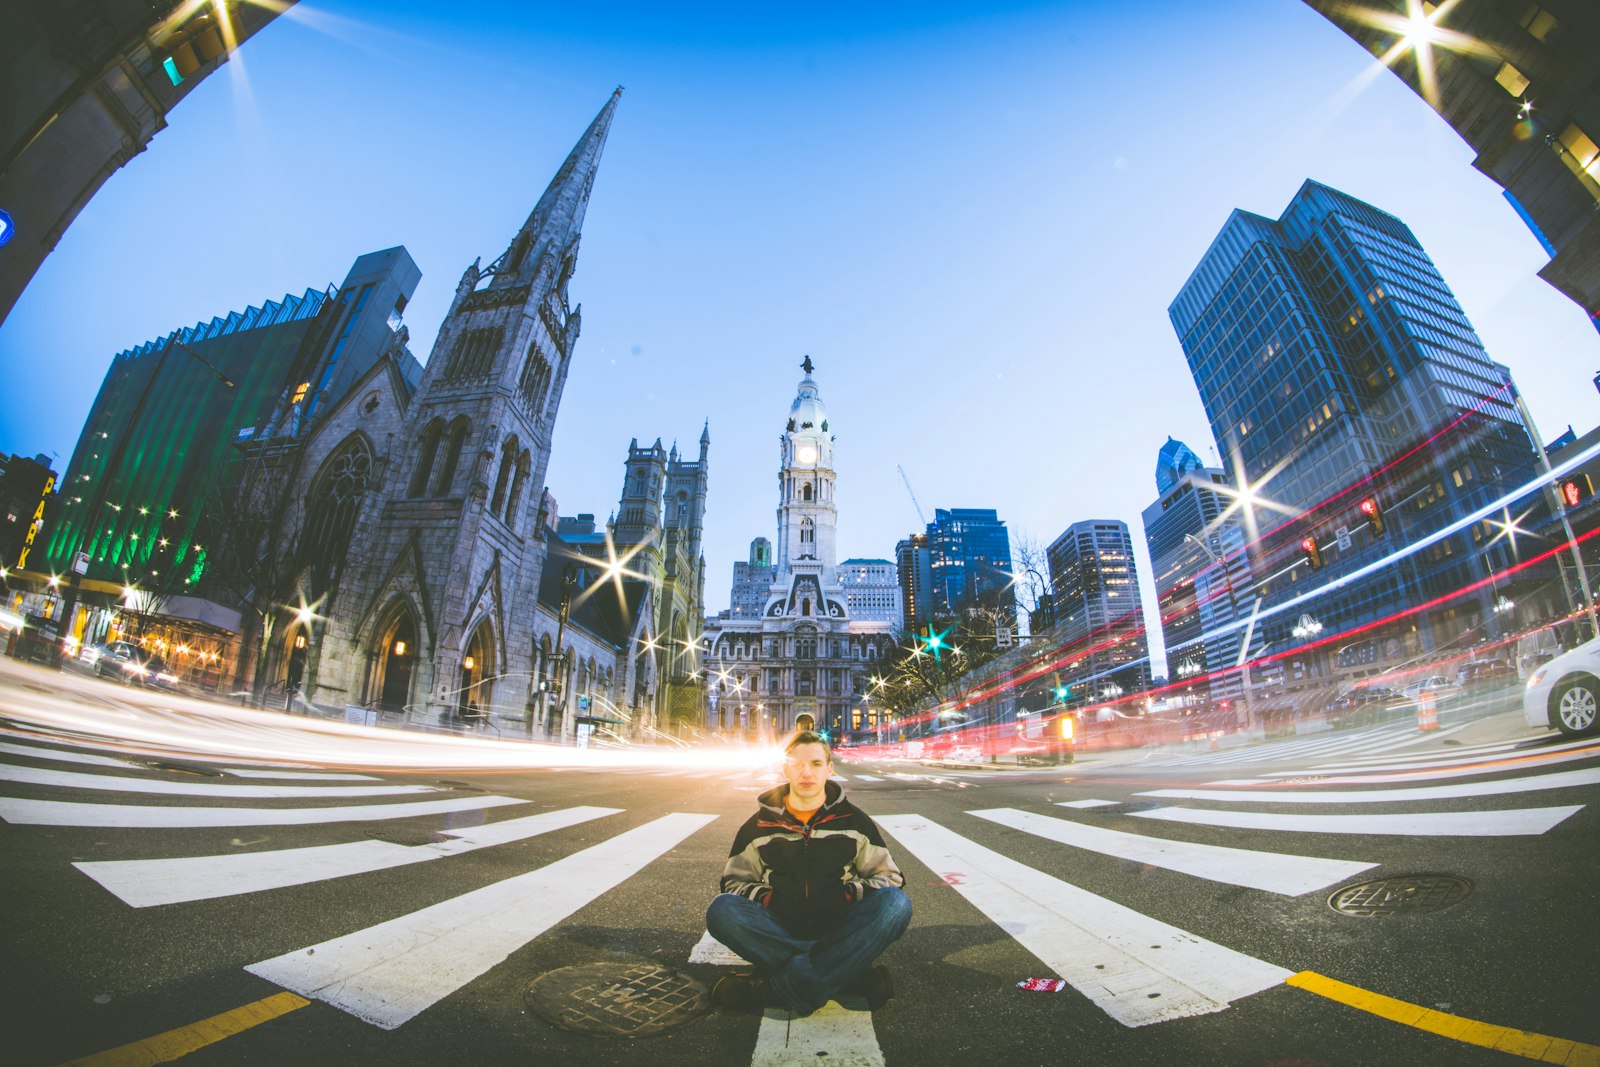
913,493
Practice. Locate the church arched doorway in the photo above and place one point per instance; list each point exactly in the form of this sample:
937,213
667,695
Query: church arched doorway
477,674
395,658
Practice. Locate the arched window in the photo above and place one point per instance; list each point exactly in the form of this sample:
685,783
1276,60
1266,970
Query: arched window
502,482
331,509
808,532
425,458
452,456
518,484
805,492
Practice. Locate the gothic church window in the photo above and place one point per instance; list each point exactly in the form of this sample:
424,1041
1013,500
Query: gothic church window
502,482
474,354
518,485
331,509
452,456
535,379
425,458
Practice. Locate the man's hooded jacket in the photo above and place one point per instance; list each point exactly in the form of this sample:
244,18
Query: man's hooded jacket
808,874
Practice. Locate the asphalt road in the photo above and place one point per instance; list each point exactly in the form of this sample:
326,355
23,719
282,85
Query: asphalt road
1192,929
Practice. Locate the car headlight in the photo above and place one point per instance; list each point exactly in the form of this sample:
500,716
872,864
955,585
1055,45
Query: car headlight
1537,676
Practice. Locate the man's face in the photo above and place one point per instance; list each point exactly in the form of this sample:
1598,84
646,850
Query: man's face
808,770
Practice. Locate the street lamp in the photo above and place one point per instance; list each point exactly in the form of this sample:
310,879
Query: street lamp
553,689
97,501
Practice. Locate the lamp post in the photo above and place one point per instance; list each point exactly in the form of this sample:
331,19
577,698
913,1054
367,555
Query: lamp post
554,690
1233,618
97,501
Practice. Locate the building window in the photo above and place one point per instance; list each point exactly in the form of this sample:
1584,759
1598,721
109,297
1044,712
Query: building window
1581,151
1511,79
1538,22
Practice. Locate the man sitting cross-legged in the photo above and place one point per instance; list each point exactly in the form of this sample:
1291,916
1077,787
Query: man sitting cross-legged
810,895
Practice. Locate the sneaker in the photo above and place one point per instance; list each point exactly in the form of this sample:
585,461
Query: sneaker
874,984
741,992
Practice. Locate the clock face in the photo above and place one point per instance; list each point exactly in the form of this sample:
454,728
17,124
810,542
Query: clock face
806,454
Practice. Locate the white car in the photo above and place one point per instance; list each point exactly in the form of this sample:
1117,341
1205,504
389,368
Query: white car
1564,694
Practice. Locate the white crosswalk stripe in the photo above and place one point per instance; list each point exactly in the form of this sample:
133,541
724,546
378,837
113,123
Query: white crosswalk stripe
1270,871
145,883
72,813
1415,773
64,756
1512,822
388,973
1139,970
1529,784
120,784
1381,739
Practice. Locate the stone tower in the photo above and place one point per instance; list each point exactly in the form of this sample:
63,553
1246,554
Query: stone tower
437,607
639,506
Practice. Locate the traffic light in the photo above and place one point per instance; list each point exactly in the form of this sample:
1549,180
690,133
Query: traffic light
1374,514
1065,727
1575,491
1312,554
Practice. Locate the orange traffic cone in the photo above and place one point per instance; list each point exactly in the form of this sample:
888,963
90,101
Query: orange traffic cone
1427,711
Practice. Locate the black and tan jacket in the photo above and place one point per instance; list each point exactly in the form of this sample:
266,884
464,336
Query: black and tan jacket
808,874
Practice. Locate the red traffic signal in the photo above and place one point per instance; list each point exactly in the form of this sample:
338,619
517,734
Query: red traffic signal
1312,554
1374,514
1575,491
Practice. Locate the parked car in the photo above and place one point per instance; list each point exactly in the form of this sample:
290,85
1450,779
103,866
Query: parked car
1364,706
1565,693
1486,672
132,665
1437,684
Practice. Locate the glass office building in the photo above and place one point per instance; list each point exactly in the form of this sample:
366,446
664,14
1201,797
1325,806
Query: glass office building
1336,367
969,555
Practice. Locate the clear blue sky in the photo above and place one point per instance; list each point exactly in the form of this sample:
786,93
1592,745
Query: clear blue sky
971,216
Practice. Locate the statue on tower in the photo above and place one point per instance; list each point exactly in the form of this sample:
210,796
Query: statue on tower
807,367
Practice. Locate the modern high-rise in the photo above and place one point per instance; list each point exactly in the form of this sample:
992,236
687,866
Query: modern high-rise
970,557
1342,378
871,590
1200,572
164,427
752,580
1519,80
914,567
1099,613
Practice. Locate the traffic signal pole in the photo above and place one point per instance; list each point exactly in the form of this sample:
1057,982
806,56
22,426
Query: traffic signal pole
1550,495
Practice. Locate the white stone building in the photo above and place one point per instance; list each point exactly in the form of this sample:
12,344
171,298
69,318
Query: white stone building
805,654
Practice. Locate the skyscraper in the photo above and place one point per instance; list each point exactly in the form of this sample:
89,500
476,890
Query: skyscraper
1199,570
1357,411
752,580
1099,614
871,590
969,553
913,567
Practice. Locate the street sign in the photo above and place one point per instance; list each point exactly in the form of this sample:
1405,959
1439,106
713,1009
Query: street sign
1343,534
583,703
81,563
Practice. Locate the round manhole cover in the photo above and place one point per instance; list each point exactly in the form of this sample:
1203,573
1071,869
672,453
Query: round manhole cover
1413,894
628,1000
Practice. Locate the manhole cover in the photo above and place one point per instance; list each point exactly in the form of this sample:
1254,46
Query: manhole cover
627,1000
405,837
1413,894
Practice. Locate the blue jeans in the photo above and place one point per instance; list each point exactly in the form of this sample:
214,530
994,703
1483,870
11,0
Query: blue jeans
806,974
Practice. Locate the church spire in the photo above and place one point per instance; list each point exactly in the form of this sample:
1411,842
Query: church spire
557,219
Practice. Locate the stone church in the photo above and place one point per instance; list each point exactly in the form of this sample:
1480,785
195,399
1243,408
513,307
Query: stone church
417,531
803,654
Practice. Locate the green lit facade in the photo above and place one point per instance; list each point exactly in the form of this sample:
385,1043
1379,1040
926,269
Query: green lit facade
184,439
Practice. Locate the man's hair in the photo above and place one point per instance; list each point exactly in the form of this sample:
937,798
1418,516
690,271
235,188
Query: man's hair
806,737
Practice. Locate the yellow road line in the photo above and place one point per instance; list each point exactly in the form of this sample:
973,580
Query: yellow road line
164,1048
1501,1038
